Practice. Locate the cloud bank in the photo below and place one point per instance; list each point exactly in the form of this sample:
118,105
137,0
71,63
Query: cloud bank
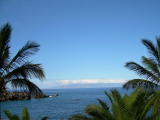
81,83
90,81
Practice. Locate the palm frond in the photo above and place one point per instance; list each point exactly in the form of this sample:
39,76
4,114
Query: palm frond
97,112
154,101
118,106
141,71
158,47
27,70
79,117
16,117
151,65
26,84
155,116
138,109
140,83
24,53
103,104
130,99
5,34
8,114
109,96
152,49
94,111
25,114
45,118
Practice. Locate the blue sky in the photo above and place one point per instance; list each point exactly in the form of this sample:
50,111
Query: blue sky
84,42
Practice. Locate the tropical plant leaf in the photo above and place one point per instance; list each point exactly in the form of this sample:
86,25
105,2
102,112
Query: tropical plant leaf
109,96
80,117
26,84
25,114
151,65
152,49
118,106
27,70
5,34
45,118
16,117
156,116
140,83
103,105
141,71
24,53
8,114
150,72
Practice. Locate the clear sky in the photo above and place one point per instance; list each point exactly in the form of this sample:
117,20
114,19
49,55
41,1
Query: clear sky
83,42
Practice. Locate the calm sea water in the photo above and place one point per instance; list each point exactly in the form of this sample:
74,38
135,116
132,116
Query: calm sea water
61,107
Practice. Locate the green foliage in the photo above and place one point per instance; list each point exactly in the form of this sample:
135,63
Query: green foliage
80,117
139,105
18,71
150,72
45,118
25,115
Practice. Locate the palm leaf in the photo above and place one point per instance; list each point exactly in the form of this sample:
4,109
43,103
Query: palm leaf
154,102
141,83
79,117
118,106
27,70
26,84
151,65
103,105
98,112
109,96
23,54
25,114
5,34
45,118
138,109
94,110
141,71
156,116
8,114
16,117
152,49
158,47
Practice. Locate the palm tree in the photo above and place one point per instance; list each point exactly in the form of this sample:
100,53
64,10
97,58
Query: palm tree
18,71
151,70
136,106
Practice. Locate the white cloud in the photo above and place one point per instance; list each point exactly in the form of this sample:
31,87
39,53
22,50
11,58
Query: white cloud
52,83
90,81
45,83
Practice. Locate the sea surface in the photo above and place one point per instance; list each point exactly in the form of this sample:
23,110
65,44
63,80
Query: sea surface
61,107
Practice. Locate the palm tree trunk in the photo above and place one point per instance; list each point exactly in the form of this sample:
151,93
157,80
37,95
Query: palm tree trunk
0,101
0,110
29,95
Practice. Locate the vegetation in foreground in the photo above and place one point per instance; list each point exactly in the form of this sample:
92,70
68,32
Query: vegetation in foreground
139,105
25,115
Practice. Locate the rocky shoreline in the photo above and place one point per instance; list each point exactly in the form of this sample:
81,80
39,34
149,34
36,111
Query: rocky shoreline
25,95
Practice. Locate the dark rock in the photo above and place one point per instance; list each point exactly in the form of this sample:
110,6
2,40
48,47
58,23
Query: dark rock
25,95
7,96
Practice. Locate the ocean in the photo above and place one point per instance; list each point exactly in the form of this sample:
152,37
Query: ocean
61,107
